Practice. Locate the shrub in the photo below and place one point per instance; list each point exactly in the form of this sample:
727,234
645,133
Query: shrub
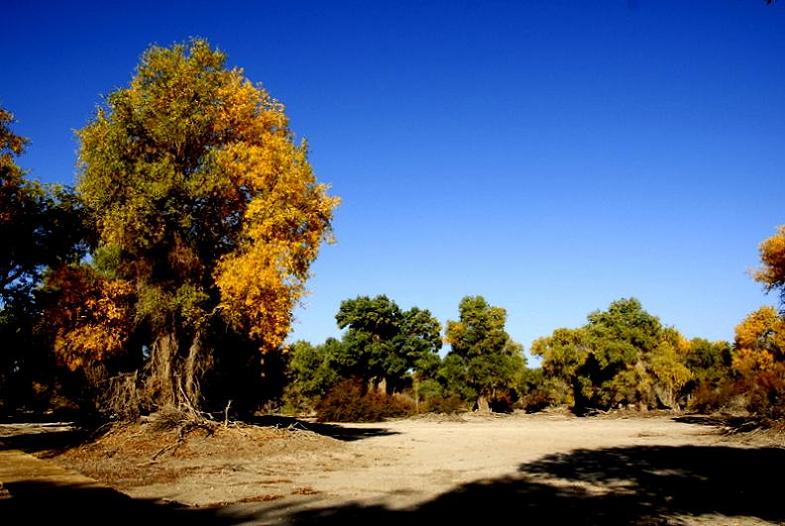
708,398
766,393
349,401
535,401
429,389
444,404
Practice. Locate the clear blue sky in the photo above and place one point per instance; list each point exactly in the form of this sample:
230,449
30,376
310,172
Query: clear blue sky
549,155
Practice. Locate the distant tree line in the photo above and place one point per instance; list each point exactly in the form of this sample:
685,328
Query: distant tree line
622,358
388,352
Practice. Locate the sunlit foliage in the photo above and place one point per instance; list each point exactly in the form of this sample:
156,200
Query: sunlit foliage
311,372
772,255
623,356
93,315
759,360
384,349
205,204
384,343
484,361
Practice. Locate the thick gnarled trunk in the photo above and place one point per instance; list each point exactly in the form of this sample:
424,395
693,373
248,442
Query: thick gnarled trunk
172,378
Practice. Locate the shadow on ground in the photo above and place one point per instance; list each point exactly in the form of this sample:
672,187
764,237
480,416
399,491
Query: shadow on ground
344,432
43,437
730,424
631,485
35,502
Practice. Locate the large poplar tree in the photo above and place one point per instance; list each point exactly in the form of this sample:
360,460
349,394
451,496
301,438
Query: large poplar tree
208,217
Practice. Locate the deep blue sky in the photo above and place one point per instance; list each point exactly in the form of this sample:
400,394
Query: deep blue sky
549,155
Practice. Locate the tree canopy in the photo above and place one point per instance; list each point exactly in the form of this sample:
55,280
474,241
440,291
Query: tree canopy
772,255
483,359
384,343
759,360
41,225
208,216
623,355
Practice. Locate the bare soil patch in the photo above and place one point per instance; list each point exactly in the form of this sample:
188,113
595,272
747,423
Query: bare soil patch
234,464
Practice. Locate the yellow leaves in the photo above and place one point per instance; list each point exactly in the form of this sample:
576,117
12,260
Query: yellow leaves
762,329
258,294
247,111
667,363
772,255
193,173
283,225
285,220
748,362
92,317
760,342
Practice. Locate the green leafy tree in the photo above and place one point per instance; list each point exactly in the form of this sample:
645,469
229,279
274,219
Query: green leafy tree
711,359
563,353
454,376
622,356
311,372
207,208
483,359
712,376
613,373
383,344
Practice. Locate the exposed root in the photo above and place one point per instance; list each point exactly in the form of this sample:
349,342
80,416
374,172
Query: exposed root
184,420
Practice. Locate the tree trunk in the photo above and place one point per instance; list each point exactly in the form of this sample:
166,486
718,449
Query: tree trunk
159,389
196,364
173,379
482,404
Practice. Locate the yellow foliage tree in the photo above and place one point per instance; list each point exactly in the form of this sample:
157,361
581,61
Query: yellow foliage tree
760,341
772,255
759,360
92,318
205,204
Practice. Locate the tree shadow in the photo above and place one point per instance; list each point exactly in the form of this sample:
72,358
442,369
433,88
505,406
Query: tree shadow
632,485
343,432
625,485
46,502
41,438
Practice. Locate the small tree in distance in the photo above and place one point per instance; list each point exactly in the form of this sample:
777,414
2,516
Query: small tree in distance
483,360
383,344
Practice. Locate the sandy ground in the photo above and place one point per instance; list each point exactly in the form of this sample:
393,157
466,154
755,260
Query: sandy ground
647,470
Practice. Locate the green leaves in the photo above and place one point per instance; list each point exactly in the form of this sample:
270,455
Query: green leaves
384,342
483,358
209,207
623,355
